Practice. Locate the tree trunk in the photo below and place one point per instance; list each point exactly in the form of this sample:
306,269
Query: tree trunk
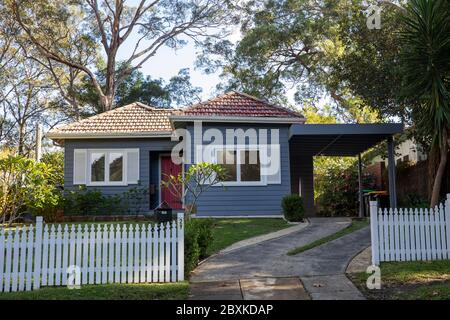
21,139
107,102
440,171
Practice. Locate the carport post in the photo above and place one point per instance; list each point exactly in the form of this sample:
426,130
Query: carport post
360,190
391,167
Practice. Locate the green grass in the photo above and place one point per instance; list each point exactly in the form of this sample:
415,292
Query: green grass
228,231
414,280
354,226
142,291
428,292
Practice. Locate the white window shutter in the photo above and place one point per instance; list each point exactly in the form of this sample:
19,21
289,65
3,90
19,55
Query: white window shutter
273,168
133,166
79,166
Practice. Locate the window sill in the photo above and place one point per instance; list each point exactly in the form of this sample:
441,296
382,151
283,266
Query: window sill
103,184
241,184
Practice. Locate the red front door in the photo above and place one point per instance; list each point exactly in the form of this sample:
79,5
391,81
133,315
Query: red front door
167,195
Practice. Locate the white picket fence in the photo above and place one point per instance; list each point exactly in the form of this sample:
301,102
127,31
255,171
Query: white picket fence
35,256
410,234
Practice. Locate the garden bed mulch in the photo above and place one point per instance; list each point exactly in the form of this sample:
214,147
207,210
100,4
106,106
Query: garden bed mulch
431,290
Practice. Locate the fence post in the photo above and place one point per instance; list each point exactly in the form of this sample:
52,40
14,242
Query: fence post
447,223
180,223
374,232
37,253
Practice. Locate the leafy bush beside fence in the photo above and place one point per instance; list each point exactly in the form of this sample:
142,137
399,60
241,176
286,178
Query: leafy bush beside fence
336,186
197,239
84,201
26,186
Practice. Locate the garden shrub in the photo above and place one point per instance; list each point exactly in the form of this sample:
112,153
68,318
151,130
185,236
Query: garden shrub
26,186
191,247
205,235
86,201
131,201
336,187
197,239
293,207
56,161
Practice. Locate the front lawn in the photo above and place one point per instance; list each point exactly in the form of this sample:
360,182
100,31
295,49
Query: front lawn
415,280
228,231
135,291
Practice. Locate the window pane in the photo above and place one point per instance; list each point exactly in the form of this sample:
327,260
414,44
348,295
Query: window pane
250,166
228,161
115,166
97,167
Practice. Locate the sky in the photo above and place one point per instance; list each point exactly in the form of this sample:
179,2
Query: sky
167,62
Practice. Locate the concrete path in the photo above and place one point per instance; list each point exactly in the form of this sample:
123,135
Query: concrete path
320,270
250,289
269,236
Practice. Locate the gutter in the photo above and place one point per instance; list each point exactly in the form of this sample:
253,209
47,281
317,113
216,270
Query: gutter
103,135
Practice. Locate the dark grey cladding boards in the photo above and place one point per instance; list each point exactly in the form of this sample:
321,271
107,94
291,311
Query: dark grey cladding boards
262,200
146,146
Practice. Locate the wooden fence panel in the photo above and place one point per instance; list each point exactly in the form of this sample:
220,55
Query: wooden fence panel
410,234
31,257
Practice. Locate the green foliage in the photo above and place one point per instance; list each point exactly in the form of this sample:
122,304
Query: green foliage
56,160
337,187
426,62
205,235
413,201
293,207
198,238
132,200
191,246
26,186
315,49
86,201
139,88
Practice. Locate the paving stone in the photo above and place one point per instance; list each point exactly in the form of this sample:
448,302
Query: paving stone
360,262
273,289
217,297
215,290
331,287
334,295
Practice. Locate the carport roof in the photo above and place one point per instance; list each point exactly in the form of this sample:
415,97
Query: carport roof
339,139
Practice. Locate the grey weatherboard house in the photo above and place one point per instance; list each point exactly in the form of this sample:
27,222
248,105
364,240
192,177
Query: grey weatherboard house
131,145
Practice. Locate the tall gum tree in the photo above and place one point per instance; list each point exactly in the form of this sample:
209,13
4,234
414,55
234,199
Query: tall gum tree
147,26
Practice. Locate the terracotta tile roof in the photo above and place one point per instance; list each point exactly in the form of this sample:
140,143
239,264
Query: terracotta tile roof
133,118
138,119
237,104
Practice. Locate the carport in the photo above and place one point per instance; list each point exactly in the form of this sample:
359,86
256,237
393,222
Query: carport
344,140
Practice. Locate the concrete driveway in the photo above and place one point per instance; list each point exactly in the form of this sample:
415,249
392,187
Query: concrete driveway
320,270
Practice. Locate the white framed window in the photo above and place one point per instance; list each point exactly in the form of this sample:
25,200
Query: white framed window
242,164
106,167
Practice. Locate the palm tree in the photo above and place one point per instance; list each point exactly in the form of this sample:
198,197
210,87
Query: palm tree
425,40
